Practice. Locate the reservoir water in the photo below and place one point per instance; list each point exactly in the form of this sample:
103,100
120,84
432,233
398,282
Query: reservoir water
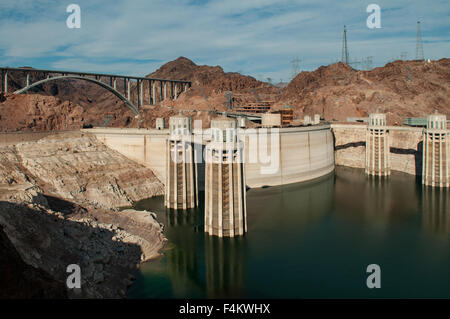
310,240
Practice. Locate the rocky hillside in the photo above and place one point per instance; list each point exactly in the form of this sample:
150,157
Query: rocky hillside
36,112
58,206
20,280
210,84
400,89
94,104
79,168
212,79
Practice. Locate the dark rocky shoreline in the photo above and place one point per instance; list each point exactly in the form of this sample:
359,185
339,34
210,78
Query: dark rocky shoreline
43,230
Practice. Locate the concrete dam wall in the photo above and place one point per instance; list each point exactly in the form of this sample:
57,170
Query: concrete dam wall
283,156
304,153
406,147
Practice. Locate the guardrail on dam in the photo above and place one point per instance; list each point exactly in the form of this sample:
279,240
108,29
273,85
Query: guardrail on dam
294,155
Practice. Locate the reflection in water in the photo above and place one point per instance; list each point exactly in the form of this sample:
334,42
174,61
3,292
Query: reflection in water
225,265
182,264
374,200
436,211
290,208
310,240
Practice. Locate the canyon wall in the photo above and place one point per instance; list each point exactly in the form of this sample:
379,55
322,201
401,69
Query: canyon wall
59,199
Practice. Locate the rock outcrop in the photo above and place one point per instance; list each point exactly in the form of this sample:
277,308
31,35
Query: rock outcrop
20,280
399,89
58,206
79,168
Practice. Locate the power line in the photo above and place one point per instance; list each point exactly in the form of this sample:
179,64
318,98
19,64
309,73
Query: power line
404,55
354,63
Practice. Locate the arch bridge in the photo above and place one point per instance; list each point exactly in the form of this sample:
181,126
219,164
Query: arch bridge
152,90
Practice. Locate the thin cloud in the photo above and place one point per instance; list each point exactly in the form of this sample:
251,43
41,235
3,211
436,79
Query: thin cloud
257,37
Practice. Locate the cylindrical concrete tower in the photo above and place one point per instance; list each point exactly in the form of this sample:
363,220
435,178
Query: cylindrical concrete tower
377,146
181,170
225,204
436,144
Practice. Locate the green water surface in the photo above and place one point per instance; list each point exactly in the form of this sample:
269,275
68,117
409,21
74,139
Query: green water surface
310,240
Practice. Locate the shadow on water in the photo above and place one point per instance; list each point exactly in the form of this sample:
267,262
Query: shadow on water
310,240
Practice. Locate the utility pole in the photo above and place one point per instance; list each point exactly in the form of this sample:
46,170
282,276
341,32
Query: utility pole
419,43
345,56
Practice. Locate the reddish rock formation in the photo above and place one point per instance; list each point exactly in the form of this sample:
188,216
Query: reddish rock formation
212,79
401,89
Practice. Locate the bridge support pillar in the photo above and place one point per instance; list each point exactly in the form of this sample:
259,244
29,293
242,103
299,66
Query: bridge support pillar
150,92
154,93
6,82
138,86
176,91
115,84
165,90
27,81
128,89
2,81
142,92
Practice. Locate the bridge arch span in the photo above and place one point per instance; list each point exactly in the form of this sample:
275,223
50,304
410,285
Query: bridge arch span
130,105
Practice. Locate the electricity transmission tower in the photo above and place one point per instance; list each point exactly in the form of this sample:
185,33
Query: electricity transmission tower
354,63
367,63
229,99
419,43
345,57
295,67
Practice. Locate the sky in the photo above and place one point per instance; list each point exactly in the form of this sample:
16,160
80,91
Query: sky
260,38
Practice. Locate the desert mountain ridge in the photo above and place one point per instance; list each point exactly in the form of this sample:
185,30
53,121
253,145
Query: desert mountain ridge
337,91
